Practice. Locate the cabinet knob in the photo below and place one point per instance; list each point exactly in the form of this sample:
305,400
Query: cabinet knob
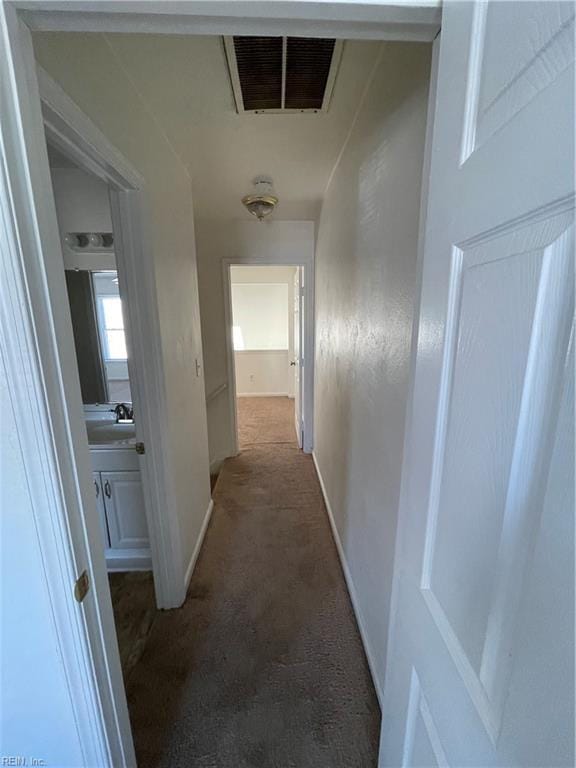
107,489
97,486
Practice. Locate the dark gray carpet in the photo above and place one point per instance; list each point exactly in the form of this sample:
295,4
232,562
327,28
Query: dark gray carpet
263,666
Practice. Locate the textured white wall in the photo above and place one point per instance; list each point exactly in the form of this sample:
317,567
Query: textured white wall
365,285
99,85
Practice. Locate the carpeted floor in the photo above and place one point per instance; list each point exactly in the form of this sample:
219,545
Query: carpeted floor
265,420
263,666
134,605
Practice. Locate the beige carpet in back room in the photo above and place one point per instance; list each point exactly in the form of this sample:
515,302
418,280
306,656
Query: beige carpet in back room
263,666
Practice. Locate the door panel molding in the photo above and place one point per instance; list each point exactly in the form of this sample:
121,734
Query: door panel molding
551,239
418,708
495,324
528,74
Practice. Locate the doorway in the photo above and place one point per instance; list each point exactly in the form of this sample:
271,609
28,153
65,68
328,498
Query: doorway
269,343
266,331
98,315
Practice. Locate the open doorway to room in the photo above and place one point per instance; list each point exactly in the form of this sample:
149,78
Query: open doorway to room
99,318
266,335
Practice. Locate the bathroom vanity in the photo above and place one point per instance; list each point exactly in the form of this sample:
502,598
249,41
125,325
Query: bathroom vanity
118,490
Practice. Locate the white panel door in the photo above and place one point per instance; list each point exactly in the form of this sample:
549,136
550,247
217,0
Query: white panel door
125,510
298,352
480,668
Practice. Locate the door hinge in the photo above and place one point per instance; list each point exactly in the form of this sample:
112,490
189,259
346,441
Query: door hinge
139,447
81,586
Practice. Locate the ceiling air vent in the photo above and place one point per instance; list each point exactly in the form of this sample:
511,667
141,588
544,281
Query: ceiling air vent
282,74
259,68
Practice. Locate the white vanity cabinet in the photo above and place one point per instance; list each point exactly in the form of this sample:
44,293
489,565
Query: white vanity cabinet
124,503
101,509
120,506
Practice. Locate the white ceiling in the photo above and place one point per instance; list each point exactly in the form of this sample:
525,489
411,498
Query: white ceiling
184,81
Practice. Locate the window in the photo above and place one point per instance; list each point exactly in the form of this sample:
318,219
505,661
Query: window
112,322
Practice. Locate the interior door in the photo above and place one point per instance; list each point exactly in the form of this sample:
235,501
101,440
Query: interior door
298,352
480,668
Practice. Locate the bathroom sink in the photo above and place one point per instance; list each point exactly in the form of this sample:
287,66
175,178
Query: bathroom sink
102,433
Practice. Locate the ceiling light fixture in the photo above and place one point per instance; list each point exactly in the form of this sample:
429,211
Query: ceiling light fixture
262,201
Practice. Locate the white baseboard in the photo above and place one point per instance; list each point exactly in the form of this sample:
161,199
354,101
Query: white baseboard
118,560
262,394
215,466
198,547
351,588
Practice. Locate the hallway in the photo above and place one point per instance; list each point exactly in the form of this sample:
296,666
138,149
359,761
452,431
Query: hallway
263,665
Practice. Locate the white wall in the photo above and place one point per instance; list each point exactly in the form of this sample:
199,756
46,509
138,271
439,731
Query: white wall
289,241
92,76
260,314
365,290
82,205
265,315
263,372
82,201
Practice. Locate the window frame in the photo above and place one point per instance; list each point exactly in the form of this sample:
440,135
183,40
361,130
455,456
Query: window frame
103,330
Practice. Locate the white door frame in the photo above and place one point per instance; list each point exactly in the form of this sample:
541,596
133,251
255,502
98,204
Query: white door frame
307,384
36,343
33,305
407,20
298,333
68,128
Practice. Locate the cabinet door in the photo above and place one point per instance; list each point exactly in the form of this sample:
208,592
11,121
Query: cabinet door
99,491
125,510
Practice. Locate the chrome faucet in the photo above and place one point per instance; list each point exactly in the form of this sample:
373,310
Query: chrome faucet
124,413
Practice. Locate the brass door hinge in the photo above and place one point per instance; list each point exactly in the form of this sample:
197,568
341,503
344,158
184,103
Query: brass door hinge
81,586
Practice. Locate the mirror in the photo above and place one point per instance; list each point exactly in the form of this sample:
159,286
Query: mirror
99,338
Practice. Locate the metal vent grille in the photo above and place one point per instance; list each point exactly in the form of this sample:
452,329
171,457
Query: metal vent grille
259,63
282,74
307,66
